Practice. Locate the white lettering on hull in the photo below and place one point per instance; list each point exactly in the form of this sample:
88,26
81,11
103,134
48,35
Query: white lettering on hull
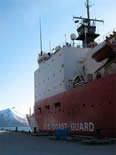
81,126
86,126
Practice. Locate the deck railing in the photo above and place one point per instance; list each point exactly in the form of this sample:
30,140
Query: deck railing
102,38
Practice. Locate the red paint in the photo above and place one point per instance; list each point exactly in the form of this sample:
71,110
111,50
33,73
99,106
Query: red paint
93,102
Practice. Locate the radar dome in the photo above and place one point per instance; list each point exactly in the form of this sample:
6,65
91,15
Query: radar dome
72,36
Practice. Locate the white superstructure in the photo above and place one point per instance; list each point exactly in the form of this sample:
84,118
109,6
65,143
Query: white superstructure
58,71
55,75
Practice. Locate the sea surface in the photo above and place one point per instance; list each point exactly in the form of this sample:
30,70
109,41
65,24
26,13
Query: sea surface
27,129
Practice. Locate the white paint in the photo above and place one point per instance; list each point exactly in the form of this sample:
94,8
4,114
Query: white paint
91,126
32,122
86,126
53,75
81,126
90,64
49,78
72,65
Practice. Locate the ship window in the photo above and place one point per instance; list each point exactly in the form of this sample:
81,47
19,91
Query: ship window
47,107
39,110
57,104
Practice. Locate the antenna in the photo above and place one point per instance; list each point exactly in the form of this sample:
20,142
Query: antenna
40,39
65,39
88,19
86,30
50,46
88,13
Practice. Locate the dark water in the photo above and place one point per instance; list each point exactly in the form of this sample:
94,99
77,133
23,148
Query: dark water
27,129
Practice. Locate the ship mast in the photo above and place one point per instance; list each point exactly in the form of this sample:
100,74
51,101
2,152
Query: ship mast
87,29
88,14
41,40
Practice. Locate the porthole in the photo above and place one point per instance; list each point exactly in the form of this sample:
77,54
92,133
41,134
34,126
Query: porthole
110,102
47,107
92,105
58,104
39,110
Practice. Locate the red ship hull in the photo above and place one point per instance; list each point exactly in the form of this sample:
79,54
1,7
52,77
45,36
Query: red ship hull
85,110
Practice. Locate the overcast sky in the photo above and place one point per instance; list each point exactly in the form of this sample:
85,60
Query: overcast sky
19,40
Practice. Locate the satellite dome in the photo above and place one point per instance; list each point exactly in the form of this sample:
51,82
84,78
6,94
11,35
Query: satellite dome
73,36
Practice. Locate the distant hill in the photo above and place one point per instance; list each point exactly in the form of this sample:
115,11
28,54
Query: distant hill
11,118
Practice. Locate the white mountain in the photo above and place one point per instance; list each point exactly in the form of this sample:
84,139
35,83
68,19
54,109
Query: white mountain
11,118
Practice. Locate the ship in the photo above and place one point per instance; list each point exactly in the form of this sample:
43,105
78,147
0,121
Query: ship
75,85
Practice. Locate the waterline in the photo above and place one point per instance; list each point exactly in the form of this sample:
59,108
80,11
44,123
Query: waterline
26,129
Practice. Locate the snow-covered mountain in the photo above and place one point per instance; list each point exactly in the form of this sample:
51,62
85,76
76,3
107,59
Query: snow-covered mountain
11,118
